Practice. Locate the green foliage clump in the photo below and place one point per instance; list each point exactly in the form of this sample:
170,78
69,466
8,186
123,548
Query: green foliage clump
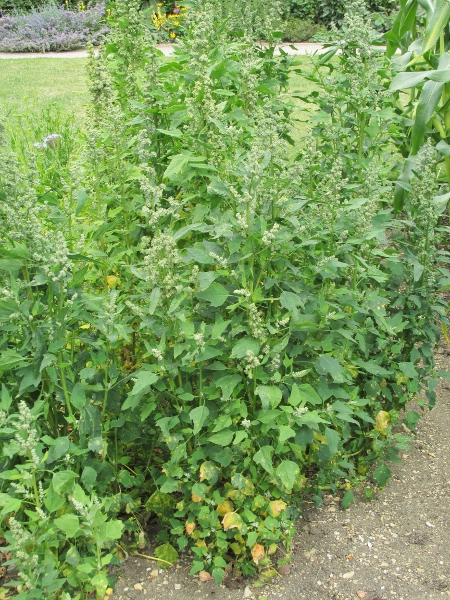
195,326
300,30
332,11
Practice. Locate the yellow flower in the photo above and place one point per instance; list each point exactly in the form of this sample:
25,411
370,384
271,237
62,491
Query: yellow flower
176,22
173,35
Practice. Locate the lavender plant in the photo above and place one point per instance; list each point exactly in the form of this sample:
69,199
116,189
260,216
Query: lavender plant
52,28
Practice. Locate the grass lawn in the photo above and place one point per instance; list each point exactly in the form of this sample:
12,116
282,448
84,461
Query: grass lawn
35,83
30,86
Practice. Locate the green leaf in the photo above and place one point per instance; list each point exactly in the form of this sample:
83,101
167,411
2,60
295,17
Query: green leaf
428,100
382,474
177,165
244,345
408,369
68,524
270,396
82,197
176,133
78,396
333,439
144,379
264,458
5,399
167,553
227,383
198,416
437,24
169,486
223,438
402,24
58,449
290,301
10,359
95,444
206,280
304,394
111,531
348,499
88,477
9,504
216,294
286,433
154,299
288,471
53,501
372,367
325,365
405,80
63,481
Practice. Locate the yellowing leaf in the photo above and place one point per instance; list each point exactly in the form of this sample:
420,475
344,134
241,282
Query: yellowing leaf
190,528
224,508
112,281
210,472
167,555
276,507
232,520
382,421
258,553
272,549
196,498
204,576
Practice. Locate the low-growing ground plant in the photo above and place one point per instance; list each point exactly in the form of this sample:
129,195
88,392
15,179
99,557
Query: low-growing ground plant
208,331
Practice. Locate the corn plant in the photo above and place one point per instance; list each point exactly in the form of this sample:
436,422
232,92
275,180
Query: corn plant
421,33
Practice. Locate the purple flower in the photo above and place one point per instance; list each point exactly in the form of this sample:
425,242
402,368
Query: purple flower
51,141
52,28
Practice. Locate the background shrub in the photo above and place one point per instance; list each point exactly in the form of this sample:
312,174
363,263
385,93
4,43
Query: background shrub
52,28
301,9
302,30
27,5
332,11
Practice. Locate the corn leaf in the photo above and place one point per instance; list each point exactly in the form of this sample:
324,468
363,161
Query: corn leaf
436,25
428,100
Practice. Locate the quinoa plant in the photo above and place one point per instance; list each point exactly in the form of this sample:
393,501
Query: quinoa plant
214,331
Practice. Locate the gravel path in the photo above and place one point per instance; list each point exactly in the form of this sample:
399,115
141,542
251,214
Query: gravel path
396,547
167,49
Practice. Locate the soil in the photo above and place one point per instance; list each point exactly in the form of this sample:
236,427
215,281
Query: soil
396,547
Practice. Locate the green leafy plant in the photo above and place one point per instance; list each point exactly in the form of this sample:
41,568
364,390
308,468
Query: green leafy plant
424,70
300,30
207,330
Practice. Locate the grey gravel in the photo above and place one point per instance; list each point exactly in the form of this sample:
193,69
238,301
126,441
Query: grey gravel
167,49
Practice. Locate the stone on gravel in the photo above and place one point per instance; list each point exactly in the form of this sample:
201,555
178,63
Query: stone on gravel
248,592
348,575
361,594
284,570
204,576
138,587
